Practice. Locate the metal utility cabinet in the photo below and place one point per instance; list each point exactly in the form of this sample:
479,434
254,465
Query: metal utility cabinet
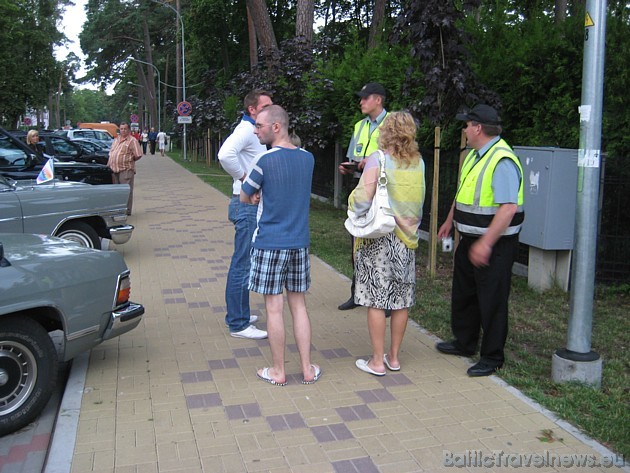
550,194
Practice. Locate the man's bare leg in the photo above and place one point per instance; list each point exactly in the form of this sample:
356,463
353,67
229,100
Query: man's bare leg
275,331
302,332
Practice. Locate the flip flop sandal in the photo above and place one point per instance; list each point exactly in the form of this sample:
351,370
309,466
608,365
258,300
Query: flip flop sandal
363,366
389,367
318,373
267,379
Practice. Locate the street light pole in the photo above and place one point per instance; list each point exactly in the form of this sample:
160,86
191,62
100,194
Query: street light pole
181,21
158,89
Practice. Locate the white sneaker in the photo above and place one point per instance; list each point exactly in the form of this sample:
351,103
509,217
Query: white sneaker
252,320
250,332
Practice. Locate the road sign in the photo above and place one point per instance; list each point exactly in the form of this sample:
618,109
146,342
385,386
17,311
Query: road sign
134,118
184,109
187,120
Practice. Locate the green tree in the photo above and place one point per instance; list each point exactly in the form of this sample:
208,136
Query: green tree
116,30
28,33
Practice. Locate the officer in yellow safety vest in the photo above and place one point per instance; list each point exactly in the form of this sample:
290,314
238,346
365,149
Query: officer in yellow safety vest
488,213
363,143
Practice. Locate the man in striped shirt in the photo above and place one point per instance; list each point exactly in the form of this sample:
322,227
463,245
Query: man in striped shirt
124,153
280,182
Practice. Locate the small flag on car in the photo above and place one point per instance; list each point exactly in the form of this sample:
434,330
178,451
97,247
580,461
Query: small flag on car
47,173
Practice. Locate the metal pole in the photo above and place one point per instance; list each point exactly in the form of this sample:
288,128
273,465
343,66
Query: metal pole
578,350
183,79
158,90
181,21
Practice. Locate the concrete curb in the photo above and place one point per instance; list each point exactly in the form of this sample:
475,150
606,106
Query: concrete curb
59,459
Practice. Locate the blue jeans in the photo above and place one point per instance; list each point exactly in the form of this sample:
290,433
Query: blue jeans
243,216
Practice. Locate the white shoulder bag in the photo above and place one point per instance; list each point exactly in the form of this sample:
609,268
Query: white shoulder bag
379,220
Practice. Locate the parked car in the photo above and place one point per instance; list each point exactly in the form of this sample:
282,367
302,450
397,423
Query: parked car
97,152
18,161
72,210
102,136
60,148
48,284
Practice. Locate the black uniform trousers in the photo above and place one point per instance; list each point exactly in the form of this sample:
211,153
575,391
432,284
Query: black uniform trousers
479,299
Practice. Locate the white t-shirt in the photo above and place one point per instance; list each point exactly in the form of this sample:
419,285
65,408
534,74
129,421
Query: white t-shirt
161,138
238,151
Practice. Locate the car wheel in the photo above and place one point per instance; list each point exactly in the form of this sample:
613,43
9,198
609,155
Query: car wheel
28,372
82,233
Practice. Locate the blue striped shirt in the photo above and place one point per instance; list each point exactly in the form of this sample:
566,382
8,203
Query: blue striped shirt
283,176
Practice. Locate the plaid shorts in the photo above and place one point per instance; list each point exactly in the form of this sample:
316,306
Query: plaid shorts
272,270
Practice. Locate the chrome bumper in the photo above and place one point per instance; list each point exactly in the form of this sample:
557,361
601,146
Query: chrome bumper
123,320
121,233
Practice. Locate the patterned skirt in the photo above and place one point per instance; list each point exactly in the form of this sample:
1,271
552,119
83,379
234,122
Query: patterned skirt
385,273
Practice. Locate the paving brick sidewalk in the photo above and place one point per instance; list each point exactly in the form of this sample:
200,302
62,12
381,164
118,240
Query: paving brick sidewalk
178,394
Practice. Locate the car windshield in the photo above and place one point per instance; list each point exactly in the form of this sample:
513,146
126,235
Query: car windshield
10,154
98,144
87,145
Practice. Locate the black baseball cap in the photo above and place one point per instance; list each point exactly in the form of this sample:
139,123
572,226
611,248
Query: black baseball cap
481,113
372,88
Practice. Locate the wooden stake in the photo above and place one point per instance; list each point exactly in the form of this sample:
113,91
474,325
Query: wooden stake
434,205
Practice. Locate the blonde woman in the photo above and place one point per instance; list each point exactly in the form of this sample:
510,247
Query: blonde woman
32,139
385,267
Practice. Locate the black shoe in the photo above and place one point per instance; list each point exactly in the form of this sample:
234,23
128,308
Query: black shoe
349,304
449,348
482,369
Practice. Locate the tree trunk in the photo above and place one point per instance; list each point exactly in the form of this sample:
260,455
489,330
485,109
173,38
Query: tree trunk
304,19
58,100
253,44
165,94
262,23
376,29
150,76
178,55
560,10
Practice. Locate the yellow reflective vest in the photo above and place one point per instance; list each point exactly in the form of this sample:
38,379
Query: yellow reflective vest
474,202
364,143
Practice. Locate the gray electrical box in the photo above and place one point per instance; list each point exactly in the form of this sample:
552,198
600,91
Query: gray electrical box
550,194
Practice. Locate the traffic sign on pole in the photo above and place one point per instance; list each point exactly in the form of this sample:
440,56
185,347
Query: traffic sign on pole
184,108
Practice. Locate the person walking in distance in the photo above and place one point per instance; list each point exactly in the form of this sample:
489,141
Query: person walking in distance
161,139
236,156
145,140
488,213
363,143
123,154
281,180
152,140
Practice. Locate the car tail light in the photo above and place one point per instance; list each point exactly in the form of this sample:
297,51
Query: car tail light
124,290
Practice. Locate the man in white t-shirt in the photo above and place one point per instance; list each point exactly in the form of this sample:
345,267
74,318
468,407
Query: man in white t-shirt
236,156
161,139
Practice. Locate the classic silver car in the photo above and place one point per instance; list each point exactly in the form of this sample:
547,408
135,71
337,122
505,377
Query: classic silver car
72,210
49,284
